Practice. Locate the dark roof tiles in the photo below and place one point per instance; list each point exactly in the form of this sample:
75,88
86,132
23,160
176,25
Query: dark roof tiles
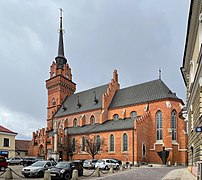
110,125
141,93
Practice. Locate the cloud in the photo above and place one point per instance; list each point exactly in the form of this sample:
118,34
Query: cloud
20,123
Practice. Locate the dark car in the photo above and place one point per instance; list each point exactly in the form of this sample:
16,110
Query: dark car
27,161
90,163
3,163
64,169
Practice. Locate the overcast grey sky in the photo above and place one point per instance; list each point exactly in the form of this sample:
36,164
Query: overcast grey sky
136,37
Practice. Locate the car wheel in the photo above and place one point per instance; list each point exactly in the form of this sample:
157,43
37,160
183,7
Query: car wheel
40,174
2,168
26,176
67,176
106,167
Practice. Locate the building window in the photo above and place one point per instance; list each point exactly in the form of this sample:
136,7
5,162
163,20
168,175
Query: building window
116,117
159,125
53,102
73,144
111,140
173,116
75,122
6,142
92,120
133,114
143,150
83,144
125,142
98,143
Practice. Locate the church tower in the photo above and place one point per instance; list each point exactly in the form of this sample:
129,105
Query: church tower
60,84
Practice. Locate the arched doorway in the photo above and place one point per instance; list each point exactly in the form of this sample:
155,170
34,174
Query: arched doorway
41,151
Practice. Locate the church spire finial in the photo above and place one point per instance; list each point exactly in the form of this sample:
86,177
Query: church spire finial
159,73
60,59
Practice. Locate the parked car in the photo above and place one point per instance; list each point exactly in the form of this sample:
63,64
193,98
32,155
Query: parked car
90,163
37,169
14,160
106,164
3,163
119,161
27,161
64,169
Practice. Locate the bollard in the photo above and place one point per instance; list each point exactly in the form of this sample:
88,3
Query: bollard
75,175
8,174
129,166
169,163
121,168
97,172
111,170
175,163
47,175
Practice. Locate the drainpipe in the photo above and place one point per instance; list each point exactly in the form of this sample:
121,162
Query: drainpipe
133,144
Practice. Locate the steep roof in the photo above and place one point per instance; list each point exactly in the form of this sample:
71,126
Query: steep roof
86,99
141,93
110,125
5,130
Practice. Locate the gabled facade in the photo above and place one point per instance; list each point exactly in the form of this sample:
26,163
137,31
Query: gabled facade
192,74
7,142
134,122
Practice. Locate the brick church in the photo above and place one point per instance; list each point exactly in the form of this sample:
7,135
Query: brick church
134,123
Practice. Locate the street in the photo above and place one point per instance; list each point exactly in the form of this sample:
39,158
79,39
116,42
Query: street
135,173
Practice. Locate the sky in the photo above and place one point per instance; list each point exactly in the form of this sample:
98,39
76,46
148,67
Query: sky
135,37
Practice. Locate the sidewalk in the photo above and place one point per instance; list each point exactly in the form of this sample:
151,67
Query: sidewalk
179,174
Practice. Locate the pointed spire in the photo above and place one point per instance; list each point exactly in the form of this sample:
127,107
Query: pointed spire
60,59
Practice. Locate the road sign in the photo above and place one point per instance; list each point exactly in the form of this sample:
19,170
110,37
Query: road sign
199,129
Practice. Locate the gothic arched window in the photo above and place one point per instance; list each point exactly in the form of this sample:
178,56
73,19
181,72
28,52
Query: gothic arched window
133,114
159,125
83,144
75,122
111,145
53,102
92,120
173,124
116,117
125,142
73,144
98,143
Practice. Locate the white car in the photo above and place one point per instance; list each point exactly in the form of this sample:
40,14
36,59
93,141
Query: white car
106,164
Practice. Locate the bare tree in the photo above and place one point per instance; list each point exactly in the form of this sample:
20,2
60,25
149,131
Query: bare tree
93,145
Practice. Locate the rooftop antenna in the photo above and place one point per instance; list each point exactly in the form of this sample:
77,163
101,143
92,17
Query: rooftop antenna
159,73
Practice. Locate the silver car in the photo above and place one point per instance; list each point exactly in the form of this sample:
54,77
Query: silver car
14,160
37,169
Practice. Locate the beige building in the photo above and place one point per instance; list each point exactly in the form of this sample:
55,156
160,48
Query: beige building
192,74
7,142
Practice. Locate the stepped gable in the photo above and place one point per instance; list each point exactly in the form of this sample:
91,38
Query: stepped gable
5,130
86,99
142,93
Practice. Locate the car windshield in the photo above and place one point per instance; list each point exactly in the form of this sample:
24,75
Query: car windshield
63,165
39,164
100,161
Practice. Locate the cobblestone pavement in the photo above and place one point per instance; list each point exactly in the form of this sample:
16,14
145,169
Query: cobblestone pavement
135,173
